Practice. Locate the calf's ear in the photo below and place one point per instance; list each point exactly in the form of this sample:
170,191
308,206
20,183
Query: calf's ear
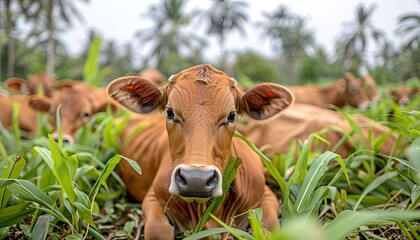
137,94
39,103
17,85
265,100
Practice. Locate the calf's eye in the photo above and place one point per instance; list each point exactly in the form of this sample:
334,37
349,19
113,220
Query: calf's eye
170,114
231,117
85,115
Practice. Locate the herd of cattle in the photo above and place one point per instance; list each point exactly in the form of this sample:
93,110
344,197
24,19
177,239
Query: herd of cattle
183,152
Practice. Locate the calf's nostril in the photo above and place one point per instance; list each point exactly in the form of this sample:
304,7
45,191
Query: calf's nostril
212,182
180,179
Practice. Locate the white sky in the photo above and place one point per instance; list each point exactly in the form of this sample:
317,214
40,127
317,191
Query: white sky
119,20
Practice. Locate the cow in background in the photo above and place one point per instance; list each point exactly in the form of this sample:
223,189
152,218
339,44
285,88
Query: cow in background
78,102
370,87
35,82
403,94
346,91
183,156
301,120
27,117
153,75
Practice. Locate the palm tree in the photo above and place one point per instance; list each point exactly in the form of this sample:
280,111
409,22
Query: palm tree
290,37
409,27
167,36
50,18
226,16
354,42
11,11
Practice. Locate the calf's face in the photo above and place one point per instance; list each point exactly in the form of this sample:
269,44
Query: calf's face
76,108
352,92
32,86
369,85
201,105
403,94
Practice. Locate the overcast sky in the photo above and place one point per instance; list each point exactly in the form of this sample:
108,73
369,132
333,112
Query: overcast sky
120,19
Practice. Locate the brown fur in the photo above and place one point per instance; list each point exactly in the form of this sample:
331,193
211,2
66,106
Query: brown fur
26,116
369,85
201,98
300,120
346,91
403,94
79,102
153,75
32,85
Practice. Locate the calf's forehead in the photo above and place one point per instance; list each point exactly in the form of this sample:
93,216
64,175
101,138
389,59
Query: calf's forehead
201,85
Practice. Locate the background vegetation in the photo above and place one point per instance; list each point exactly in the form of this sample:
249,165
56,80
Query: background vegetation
53,190
31,40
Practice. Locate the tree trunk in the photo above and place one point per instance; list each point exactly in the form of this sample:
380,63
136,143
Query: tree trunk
10,40
50,55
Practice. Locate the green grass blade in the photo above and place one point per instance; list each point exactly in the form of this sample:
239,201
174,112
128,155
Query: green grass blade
267,163
348,220
316,171
373,185
255,217
64,170
13,171
15,214
41,228
229,175
15,124
109,167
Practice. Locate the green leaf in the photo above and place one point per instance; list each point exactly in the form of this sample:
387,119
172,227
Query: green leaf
267,163
316,171
13,171
348,220
41,227
373,185
255,217
91,67
26,190
64,169
229,175
15,214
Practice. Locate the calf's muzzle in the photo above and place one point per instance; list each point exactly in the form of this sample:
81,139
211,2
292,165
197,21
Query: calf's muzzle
196,182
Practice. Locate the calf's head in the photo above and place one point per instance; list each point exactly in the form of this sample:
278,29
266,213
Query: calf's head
201,105
402,95
369,86
77,106
352,93
31,86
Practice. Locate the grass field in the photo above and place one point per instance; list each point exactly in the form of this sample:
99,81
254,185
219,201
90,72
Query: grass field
54,190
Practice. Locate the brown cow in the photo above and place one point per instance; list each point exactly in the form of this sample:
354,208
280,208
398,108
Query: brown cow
32,85
183,163
300,120
78,103
369,85
345,91
27,119
153,75
403,94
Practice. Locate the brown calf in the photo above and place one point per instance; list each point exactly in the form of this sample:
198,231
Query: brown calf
78,103
369,85
32,85
345,91
301,120
183,162
153,75
403,94
27,119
